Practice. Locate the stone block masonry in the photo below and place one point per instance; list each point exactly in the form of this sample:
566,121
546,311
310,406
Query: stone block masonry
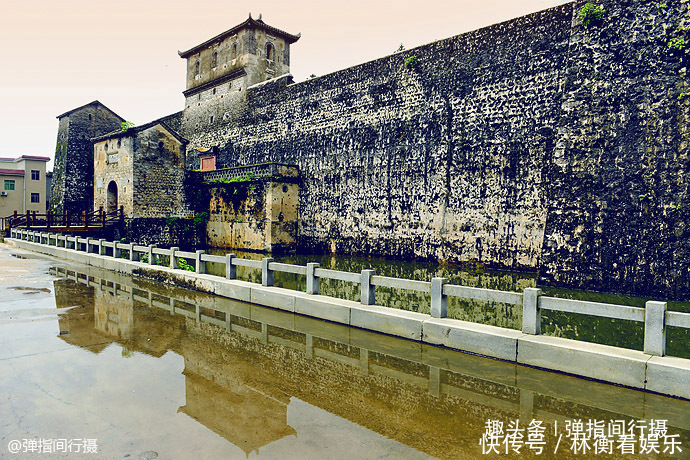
442,160
537,143
73,174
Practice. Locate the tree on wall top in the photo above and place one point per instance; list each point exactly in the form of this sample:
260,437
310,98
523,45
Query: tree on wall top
590,14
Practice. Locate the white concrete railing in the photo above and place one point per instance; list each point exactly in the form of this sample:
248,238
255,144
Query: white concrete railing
655,316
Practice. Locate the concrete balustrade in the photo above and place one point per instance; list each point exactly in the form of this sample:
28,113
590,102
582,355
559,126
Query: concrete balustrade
230,267
199,264
452,333
368,294
313,281
266,272
655,328
173,257
439,301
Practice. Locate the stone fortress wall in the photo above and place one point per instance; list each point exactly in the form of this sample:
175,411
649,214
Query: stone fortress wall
537,144
526,144
443,160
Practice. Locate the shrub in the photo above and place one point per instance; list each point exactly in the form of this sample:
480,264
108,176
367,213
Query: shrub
411,62
590,14
182,263
676,44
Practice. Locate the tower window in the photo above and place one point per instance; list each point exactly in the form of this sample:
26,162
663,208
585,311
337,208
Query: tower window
269,51
214,90
211,118
214,59
234,51
198,98
105,147
89,117
119,143
197,68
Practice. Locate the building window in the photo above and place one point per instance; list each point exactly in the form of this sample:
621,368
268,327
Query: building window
214,59
208,163
35,175
197,68
214,90
211,118
234,51
269,51
9,184
35,198
119,143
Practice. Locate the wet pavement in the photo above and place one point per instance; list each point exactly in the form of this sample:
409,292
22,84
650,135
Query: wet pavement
154,371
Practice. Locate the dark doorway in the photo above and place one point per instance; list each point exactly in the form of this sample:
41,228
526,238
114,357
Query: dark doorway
112,197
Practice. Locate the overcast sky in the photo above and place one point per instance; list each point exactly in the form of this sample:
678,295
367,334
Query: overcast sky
60,55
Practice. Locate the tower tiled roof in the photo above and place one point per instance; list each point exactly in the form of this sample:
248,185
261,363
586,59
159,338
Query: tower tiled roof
250,22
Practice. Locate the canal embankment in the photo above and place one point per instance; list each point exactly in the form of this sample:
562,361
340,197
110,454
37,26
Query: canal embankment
645,370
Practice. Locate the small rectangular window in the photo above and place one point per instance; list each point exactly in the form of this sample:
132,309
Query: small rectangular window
9,184
208,163
35,175
35,198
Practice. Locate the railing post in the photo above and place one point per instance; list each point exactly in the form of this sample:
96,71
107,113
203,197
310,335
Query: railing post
230,268
199,265
655,328
173,260
313,281
439,301
86,222
49,218
117,252
368,296
67,219
100,246
101,214
531,311
150,253
266,273
88,244
133,256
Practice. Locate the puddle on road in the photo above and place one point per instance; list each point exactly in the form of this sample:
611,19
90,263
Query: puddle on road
147,369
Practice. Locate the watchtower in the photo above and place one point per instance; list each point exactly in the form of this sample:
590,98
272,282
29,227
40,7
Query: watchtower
244,55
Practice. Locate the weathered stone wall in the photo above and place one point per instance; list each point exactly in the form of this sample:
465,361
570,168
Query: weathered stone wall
159,174
443,160
256,215
618,188
113,162
72,187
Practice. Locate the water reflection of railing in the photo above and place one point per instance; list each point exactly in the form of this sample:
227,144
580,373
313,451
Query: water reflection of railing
500,386
655,316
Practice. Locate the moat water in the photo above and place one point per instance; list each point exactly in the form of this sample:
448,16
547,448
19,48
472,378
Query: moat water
89,354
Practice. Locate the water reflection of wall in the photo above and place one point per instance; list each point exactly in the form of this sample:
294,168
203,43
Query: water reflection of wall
218,397
77,324
113,317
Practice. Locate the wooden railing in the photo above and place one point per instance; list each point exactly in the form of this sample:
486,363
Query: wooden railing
51,220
